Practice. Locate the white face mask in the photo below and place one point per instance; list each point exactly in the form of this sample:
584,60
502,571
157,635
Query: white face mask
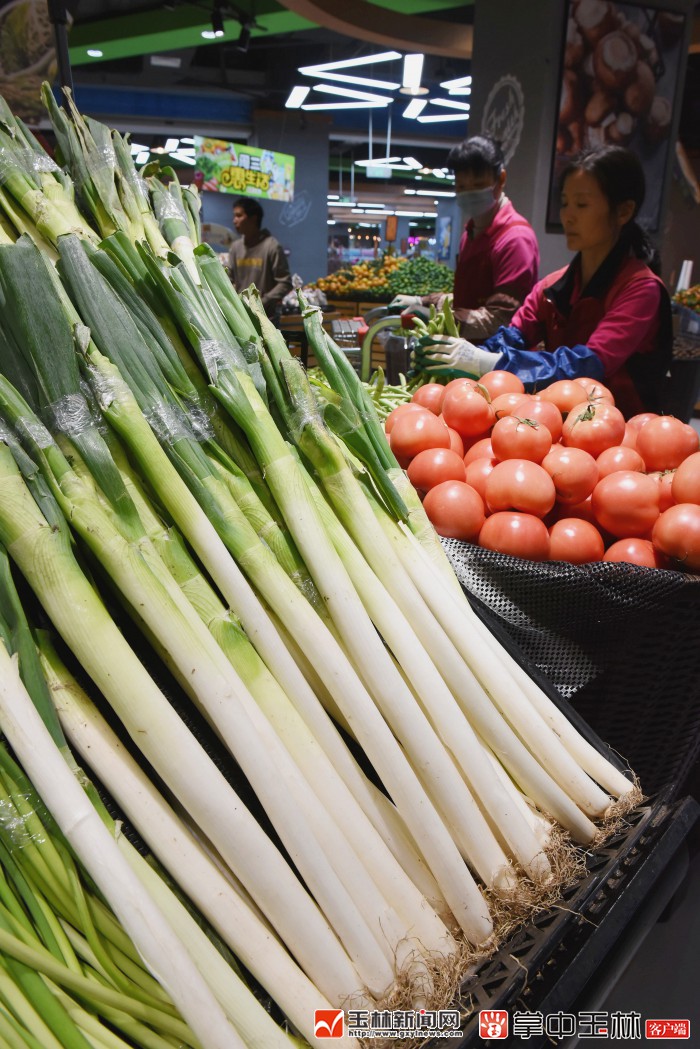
475,202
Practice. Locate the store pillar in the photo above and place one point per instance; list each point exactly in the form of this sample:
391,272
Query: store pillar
517,74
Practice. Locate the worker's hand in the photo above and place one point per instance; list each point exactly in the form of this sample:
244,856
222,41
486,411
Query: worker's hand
404,301
446,355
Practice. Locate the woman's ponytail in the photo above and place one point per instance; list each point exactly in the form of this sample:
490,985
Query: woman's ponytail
641,246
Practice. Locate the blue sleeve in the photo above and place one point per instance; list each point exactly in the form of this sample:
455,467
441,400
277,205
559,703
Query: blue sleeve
538,369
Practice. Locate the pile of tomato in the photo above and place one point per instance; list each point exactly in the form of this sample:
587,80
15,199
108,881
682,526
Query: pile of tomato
559,475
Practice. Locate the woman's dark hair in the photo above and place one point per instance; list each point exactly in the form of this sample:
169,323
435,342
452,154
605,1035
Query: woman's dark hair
620,175
251,208
479,154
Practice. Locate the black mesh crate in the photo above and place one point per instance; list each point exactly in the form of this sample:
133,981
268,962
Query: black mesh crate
618,644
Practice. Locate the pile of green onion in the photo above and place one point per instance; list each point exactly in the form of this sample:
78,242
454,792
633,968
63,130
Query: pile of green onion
165,462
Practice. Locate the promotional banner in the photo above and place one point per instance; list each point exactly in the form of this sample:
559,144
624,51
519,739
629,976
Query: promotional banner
226,167
621,63
27,55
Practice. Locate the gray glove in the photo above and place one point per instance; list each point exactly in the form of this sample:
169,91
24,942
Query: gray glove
406,300
446,355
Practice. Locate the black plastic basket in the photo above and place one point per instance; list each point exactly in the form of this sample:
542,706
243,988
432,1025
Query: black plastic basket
619,644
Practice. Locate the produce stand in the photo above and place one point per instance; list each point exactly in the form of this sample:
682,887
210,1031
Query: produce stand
684,384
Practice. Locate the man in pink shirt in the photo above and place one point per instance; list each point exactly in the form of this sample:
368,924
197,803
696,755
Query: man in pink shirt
498,251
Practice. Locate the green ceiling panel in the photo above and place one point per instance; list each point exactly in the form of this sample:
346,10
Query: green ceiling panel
148,32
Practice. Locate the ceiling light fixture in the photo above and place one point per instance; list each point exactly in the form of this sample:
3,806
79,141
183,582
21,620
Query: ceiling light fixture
381,162
210,34
412,72
144,157
171,144
440,117
217,19
296,97
183,158
430,192
413,163
349,63
414,108
346,92
451,104
344,105
243,42
461,86
94,52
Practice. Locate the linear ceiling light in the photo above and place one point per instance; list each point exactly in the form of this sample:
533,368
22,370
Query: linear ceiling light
358,81
184,158
349,63
414,107
429,192
451,104
413,163
296,97
439,117
346,92
94,52
344,105
461,86
378,162
412,72
171,144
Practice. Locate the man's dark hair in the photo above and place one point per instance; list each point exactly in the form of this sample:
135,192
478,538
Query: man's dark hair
251,208
479,154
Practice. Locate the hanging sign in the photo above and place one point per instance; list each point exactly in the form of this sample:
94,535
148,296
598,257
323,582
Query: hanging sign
226,167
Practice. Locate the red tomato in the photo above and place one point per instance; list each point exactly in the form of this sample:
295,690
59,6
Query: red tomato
637,421
626,503
677,534
521,535
574,540
498,381
515,438
413,432
455,509
584,510
518,484
456,442
541,411
504,403
477,472
595,391
481,449
565,393
593,427
574,472
635,552
456,384
433,466
665,442
664,479
619,457
630,438
686,480
430,396
396,413
467,410
469,442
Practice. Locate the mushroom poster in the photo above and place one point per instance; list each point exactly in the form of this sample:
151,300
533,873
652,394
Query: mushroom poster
619,82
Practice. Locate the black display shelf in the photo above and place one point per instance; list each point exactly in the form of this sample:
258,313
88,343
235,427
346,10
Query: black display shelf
571,954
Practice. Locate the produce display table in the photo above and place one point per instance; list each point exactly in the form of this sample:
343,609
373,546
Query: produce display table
292,327
569,957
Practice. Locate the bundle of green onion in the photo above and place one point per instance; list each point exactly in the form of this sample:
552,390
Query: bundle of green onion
163,455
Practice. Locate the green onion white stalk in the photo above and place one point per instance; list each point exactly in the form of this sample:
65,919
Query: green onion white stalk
100,855
44,557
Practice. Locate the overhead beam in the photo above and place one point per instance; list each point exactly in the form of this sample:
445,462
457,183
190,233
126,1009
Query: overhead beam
366,21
